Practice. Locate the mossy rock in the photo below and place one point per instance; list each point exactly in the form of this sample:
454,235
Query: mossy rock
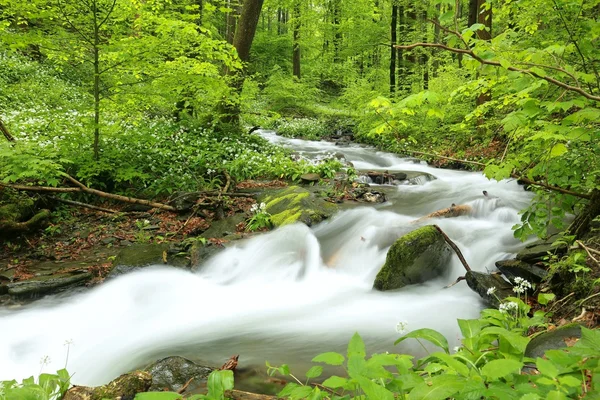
416,257
223,227
481,283
124,387
296,204
140,255
552,340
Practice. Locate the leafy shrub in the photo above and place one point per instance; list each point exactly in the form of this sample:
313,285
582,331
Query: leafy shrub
305,128
47,387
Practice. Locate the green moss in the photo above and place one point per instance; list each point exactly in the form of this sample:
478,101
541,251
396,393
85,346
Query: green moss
286,217
414,258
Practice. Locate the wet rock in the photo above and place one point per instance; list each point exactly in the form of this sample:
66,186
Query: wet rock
296,204
414,258
537,251
310,178
552,340
224,227
124,387
46,284
172,373
480,283
200,252
184,200
386,178
515,268
370,196
140,255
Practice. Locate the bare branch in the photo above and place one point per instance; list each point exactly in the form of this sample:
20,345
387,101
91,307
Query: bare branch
553,188
6,132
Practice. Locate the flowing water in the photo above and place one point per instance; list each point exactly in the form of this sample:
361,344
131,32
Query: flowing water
284,296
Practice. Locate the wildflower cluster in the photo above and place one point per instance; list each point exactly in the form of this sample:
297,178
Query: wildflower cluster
306,128
260,218
508,306
401,327
521,285
258,208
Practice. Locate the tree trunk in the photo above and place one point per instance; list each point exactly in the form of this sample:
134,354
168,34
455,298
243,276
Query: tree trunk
581,225
96,51
424,60
436,39
242,41
337,34
6,132
296,45
393,42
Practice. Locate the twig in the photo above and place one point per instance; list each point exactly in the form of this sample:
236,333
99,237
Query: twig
41,188
85,205
561,301
553,188
580,316
505,149
454,247
446,158
587,250
460,278
588,298
185,386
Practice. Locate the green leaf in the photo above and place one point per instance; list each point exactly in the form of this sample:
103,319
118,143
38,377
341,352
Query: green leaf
330,358
438,388
373,390
545,298
590,338
356,346
546,368
295,391
469,327
314,372
497,369
219,382
530,396
558,150
556,395
427,334
335,382
453,363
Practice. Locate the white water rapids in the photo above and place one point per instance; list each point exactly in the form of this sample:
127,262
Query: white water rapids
273,297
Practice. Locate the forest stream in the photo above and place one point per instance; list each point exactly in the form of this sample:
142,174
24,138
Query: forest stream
283,296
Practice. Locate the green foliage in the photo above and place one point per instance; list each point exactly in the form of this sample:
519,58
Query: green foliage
305,128
489,364
218,382
47,387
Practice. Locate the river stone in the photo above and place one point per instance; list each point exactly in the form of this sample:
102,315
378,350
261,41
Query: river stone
552,340
41,285
124,387
416,257
199,253
310,178
296,204
172,373
480,283
515,268
535,252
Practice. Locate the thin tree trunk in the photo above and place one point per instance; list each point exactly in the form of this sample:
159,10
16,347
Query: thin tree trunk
393,42
424,57
581,224
296,44
436,38
96,50
6,132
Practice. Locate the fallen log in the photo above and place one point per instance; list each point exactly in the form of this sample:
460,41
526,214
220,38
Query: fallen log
9,226
454,247
84,205
452,211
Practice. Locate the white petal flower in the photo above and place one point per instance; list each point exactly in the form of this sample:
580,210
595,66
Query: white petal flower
401,327
491,290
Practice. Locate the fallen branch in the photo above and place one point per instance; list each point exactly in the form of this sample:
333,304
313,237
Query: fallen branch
184,387
241,395
460,278
84,205
41,188
454,247
445,158
117,197
553,188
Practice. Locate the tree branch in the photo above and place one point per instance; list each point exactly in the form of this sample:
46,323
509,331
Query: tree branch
497,64
6,132
553,188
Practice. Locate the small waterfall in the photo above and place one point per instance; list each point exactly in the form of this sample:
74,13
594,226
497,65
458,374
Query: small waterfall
284,296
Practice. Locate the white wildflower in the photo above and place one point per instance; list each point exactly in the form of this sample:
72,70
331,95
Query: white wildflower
505,307
522,285
491,290
401,327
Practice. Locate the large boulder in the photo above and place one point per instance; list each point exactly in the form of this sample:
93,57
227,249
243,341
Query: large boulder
416,257
296,204
537,251
515,268
172,373
552,340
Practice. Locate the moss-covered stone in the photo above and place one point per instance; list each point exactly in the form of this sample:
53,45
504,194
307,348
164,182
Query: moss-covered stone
42,285
416,257
481,283
124,387
552,340
141,255
296,204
